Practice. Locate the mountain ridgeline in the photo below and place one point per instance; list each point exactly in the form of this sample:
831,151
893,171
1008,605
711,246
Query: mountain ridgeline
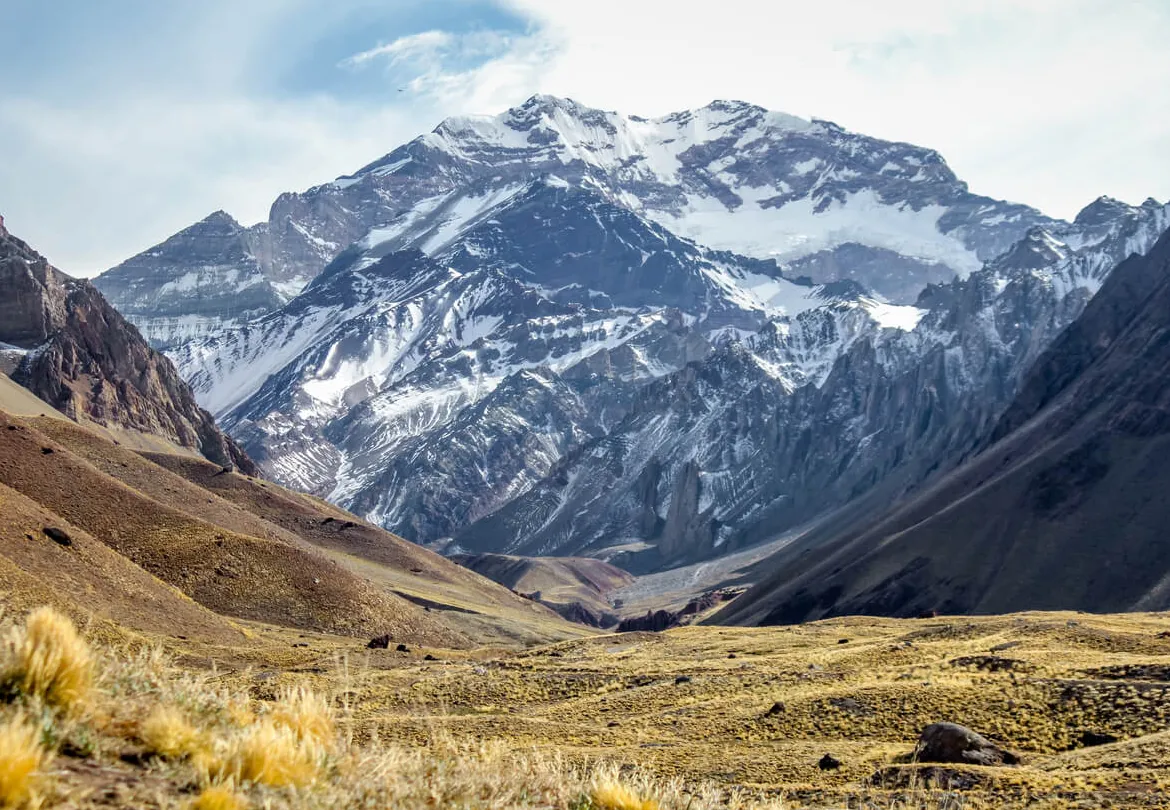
561,331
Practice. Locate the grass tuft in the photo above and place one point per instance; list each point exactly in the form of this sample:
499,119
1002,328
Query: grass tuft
218,797
268,754
167,733
48,659
610,794
307,714
21,760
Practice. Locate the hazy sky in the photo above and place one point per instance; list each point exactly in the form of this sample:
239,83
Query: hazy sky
122,121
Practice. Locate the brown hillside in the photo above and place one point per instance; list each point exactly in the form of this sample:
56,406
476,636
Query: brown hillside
574,586
87,578
231,572
472,603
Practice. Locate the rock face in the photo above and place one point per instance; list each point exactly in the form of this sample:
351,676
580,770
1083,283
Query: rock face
955,744
812,413
79,355
1059,505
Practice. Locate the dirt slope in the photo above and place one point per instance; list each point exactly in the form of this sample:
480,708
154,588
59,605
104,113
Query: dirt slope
264,578
474,604
560,582
86,578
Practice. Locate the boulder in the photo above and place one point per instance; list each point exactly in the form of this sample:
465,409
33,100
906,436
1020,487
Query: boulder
952,743
1091,738
58,536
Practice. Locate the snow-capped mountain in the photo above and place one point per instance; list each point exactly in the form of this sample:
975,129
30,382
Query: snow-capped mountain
828,203
205,278
426,392
561,330
732,176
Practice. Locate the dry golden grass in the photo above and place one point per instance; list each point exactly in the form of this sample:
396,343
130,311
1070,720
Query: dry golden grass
218,797
21,760
610,794
638,721
48,660
306,714
268,754
167,733
289,753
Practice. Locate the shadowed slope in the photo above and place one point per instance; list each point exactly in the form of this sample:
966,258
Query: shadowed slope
1066,510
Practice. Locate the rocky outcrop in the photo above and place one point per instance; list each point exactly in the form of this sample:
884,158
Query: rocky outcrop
83,358
955,744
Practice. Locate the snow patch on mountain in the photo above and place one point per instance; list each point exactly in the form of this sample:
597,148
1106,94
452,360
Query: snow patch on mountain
804,226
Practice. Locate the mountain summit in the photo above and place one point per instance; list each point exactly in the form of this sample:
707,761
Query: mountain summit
829,203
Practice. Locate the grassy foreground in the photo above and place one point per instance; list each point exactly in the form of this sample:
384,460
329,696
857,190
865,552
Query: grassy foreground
696,718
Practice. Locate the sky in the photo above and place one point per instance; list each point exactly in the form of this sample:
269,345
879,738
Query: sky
121,122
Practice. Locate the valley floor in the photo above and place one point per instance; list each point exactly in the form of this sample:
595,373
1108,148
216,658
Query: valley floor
730,708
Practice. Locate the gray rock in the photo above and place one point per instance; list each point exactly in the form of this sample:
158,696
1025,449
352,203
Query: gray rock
952,743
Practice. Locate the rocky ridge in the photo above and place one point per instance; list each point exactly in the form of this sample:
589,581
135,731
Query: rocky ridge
69,347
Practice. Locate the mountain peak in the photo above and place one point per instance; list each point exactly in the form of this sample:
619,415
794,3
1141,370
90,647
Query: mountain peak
1101,210
1038,249
545,101
220,218
732,105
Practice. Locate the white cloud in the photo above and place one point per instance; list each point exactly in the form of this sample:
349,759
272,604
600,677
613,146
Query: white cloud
426,46
476,72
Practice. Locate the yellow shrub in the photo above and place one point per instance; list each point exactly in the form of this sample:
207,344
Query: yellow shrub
46,658
21,759
268,754
218,797
167,733
239,713
306,714
609,794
